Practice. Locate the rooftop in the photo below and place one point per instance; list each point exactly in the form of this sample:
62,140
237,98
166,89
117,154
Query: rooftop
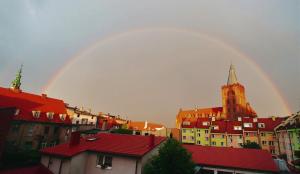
121,144
27,102
227,157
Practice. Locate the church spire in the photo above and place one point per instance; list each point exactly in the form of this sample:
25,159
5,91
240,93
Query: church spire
232,79
16,84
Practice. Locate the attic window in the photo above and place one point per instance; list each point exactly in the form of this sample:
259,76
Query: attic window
36,114
205,123
62,116
50,115
215,127
261,125
237,128
186,123
247,124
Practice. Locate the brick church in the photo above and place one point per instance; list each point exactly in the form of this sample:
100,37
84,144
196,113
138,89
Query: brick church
234,104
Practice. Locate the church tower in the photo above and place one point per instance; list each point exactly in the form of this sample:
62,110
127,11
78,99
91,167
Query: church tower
234,99
16,83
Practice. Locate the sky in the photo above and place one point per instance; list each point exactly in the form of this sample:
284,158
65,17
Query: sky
144,60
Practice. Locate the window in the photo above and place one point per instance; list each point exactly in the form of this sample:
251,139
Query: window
84,121
261,125
247,134
215,127
183,130
62,116
103,161
36,114
184,137
262,134
247,124
50,115
271,143
213,143
199,134
192,138
199,142
241,136
223,136
198,130
206,131
213,136
272,151
206,139
222,143
30,130
264,142
205,123
46,130
237,127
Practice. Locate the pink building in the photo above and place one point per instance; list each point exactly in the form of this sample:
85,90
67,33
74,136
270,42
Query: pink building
102,153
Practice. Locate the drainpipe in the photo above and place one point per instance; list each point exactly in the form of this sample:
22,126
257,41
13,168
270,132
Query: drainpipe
290,145
60,166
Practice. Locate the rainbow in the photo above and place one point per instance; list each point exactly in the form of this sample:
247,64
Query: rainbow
200,35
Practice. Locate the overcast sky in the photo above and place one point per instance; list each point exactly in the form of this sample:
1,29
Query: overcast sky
146,59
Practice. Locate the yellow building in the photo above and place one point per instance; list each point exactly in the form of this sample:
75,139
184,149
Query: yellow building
218,136
202,131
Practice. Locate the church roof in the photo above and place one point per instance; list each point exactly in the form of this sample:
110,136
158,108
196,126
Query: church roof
232,79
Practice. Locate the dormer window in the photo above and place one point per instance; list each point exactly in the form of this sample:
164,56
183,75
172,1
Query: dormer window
254,120
205,123
186,123
237,127
247,124
17,112
50,115
62,116
261,125
215,127
36,114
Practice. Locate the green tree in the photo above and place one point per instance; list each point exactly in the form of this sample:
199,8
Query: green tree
251,145
172,159
122,131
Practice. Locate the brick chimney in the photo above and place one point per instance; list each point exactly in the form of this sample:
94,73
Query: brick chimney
75,139
151,140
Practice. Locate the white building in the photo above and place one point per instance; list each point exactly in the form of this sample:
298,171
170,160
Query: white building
102,153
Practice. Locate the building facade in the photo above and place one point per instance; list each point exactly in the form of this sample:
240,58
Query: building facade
226,133
102,153
288,139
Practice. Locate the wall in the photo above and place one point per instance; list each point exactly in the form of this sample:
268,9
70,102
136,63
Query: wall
189,133
203,138
234,140
252,136
219,139
78,163
124,165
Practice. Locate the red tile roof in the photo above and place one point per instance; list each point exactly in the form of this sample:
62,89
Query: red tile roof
231,125
270,124
249,120
200,122
221,126
248,159
38,169
130,145
27,103
189,123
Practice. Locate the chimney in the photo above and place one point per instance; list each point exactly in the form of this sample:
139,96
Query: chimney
151,140
239,118
75,139
273,118
44,95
